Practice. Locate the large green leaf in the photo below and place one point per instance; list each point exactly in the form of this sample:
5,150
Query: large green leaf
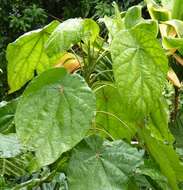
101,165
9,146
7,112
26,55
111,116
69,33
54,114
140,67
165,156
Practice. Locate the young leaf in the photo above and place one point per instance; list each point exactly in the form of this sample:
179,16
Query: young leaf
26,55
140,68
177,25
158,12
173,43
70,33
102,165
54,114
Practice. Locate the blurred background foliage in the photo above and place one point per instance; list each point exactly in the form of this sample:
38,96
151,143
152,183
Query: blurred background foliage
20,16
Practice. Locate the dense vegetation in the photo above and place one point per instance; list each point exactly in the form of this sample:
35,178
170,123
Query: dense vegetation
20,16
93,103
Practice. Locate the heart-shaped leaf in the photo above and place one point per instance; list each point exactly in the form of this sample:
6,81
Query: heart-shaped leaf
54,114
102,165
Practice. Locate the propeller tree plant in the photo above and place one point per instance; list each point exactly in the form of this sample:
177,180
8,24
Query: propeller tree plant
93,114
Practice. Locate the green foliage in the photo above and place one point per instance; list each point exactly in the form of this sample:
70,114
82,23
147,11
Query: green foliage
137,56
16,18
7,111
109,117
102,164
71,32
31,56
101,122
60,119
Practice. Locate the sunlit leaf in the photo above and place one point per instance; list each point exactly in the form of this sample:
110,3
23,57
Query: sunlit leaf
140,68
27,55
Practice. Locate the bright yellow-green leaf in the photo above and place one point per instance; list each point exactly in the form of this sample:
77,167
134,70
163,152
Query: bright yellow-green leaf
27,55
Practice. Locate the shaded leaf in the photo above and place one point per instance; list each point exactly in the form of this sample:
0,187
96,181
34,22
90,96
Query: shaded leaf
165,156
7,112
112,116
176,128
102,165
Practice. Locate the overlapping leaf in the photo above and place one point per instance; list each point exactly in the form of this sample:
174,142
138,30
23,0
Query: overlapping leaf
70,33
165,156
101,165
54,114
